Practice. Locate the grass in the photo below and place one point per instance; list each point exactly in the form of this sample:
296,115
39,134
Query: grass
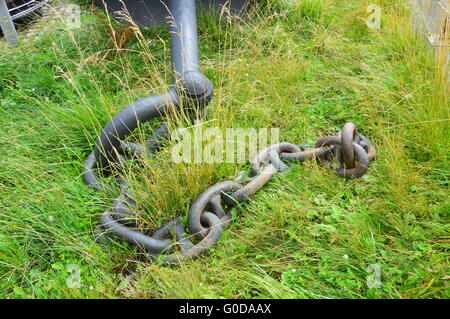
305,67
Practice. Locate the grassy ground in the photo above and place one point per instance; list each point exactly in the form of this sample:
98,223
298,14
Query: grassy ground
305,67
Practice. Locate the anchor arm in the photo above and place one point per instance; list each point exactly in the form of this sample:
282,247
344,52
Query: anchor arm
189,82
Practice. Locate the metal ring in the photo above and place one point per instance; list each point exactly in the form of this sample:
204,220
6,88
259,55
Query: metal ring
133,149
216,207
91,179
360,169
177,227
253,186
370,149
121,208
199,205
214,230
150,244
328,141
334,155
271,154
348,135
363,160
306,154
89,176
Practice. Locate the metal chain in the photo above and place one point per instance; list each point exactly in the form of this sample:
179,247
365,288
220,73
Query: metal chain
349,151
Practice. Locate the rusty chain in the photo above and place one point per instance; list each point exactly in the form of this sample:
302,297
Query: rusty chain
347,154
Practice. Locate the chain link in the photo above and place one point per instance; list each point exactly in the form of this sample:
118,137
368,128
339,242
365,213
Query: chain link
349,151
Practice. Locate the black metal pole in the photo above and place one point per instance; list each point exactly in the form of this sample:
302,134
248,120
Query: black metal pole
188,82
183,36
185,58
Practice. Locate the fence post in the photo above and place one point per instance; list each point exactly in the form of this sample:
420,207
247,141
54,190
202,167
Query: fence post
7,25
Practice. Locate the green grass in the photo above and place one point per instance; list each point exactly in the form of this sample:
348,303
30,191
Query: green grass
305,67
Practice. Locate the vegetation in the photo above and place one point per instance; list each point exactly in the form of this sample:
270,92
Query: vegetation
305,67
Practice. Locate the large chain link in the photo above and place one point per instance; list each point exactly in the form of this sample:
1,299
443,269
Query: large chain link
348,154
